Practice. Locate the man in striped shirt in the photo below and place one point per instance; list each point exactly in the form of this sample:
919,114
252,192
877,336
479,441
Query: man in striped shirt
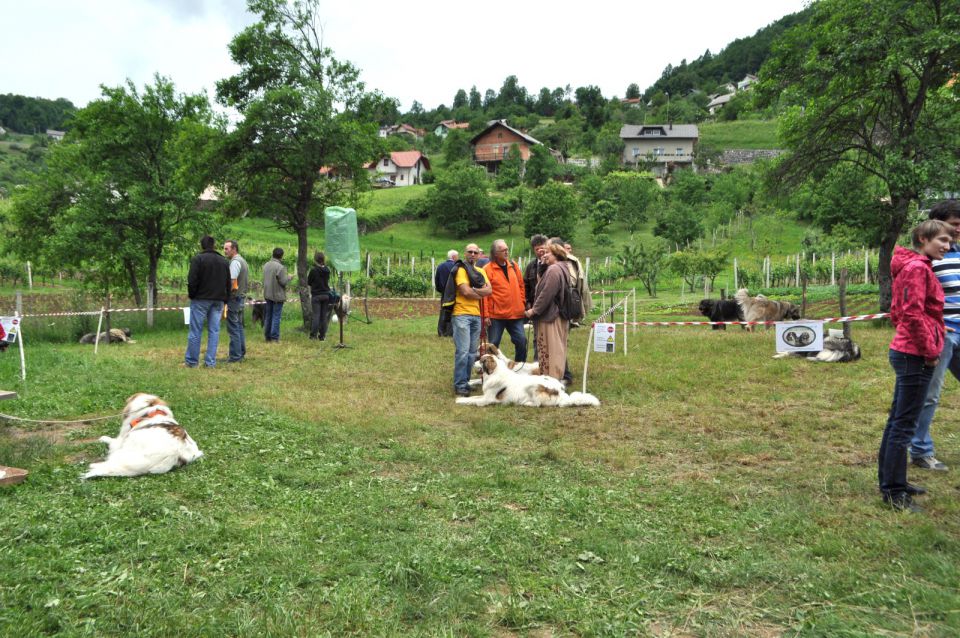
948,272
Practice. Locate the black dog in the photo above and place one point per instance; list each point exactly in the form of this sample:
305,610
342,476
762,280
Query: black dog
721,310
256,312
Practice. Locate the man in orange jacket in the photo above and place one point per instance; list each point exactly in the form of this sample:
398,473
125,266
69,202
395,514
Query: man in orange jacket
503,310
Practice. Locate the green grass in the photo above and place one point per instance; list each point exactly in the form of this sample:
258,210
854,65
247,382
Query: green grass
716,492
745,134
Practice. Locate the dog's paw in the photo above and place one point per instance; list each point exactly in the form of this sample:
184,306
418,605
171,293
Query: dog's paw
106,439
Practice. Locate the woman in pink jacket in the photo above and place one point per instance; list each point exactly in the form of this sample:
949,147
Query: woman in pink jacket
916,311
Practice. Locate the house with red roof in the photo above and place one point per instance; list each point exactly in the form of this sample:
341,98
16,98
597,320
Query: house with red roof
403,168
402,129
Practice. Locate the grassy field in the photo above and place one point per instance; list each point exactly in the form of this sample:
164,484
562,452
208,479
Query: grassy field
716,492
747,134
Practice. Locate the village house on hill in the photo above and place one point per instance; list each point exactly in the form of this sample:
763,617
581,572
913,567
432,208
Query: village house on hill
490,146
400,168
667,146
443,128
402,129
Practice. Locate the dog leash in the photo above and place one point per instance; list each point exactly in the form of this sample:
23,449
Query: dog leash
9,417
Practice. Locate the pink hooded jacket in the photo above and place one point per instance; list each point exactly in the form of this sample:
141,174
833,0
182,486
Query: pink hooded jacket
917,306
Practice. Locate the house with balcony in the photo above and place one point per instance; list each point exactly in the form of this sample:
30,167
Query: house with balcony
490,146
401,168
665,146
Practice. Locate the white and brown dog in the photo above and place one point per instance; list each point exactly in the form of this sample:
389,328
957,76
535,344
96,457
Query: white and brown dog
763,309
503,385
520,367
150,441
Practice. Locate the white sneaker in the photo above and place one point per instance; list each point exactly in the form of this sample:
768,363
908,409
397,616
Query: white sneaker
929,463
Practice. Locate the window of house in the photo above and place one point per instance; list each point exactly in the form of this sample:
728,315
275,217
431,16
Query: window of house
680,150
401,177
386,162
636,151
499,136
658,151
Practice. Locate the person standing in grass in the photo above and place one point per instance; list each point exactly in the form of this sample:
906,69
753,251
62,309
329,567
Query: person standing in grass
319,281
948,273
550,328
239,282
275,282
466,288
445,328
504,308
208,286
917,313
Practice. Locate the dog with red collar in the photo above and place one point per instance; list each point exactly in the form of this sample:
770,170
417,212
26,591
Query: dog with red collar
150,441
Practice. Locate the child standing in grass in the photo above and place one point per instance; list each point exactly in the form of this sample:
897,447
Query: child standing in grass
916,311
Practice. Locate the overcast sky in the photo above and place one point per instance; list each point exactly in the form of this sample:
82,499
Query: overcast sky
421,51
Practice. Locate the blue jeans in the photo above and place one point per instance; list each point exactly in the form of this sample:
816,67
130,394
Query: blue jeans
514,328
909,391
922,443
238,340
466,340
272,312
203,311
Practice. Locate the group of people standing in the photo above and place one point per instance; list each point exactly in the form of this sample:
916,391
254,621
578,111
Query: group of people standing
925,309
498,297
217,285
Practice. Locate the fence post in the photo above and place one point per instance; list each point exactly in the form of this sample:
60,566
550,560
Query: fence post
149,304
624,326
29,276
388,265
413,267
20,304
833,269
843,302
798,271
23,361
96,339
368,264
866,266
634,293
587,269
736,280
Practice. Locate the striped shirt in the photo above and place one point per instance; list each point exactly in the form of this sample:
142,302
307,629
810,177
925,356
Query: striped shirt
947,271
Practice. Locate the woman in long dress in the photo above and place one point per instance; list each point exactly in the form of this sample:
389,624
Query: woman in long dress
551,328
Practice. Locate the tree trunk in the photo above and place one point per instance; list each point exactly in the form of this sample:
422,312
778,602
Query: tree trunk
152,276
134,285
898,219
302,263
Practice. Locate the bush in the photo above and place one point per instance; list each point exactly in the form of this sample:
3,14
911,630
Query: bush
402,284
459,202
551,210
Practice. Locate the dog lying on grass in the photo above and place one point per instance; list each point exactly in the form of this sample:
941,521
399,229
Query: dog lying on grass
761,308
520,367
836,349
503,385
150,441
117,335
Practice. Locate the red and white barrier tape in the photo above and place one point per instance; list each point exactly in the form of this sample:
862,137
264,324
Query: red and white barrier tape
879,315
112,310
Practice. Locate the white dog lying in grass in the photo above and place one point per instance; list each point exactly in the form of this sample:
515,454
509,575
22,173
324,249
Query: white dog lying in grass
150,441
520,367
503,385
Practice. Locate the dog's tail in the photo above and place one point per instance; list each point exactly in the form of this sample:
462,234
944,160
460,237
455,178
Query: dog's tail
580,399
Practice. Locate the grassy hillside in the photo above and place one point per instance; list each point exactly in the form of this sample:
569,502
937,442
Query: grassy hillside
746,134
20,157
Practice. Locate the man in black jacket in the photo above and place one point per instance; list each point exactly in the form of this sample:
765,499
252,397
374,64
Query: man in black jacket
208,286
531,275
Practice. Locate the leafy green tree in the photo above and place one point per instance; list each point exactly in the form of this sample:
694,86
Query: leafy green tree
646,261
869,83
591,102
541,166
459,203
460,100
456,147
601,216
633,91
476,102
302,109
550,210
121,191
688,188
633,194
678,223
508,175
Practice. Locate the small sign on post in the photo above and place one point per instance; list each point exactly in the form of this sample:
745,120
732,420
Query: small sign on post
604,337
800,336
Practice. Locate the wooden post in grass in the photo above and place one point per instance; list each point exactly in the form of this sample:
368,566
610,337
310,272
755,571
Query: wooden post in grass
866,266
150,304
368,264
388,265
736,281
96,339
634,293
803,298
843,302
19,305
29,276
833,269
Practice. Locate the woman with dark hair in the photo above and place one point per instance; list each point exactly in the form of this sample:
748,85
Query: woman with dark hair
319,281
551,329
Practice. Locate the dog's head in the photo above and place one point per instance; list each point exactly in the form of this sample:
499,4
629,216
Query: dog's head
489,348
488,363
707,306
141,402
792,312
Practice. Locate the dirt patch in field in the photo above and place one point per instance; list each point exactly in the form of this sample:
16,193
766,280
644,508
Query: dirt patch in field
395,308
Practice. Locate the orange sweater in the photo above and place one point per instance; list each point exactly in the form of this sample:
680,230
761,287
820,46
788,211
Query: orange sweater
508,300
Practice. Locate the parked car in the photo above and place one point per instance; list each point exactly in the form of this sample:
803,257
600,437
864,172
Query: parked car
384,182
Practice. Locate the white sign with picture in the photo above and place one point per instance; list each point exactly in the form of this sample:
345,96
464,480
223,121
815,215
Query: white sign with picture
604,337
800,336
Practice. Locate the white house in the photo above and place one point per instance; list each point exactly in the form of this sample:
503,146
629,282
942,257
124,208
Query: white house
668,146
403,168
444,127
